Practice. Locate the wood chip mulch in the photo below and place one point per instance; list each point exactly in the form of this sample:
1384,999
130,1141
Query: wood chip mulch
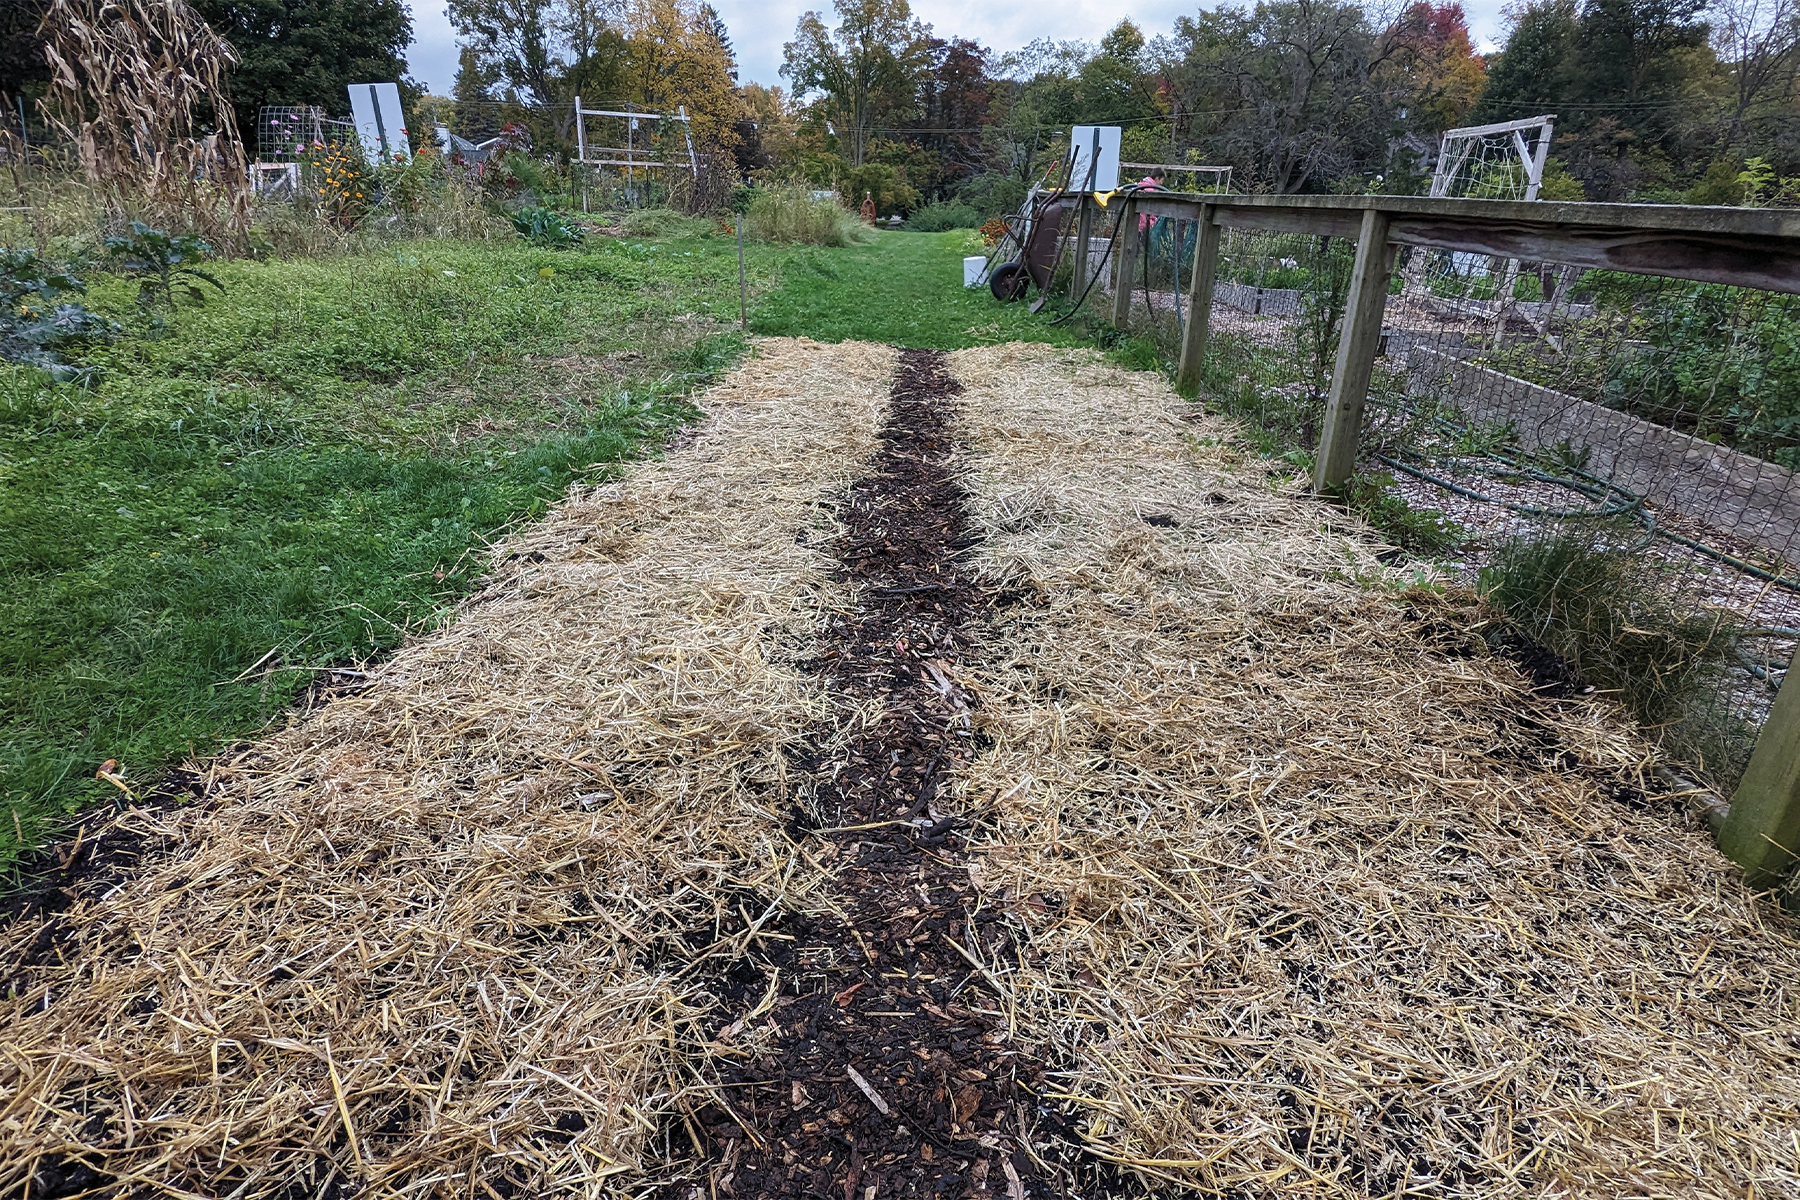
885,1065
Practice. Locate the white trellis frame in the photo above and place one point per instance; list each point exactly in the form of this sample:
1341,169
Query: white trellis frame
1459,145
630,156
1463,155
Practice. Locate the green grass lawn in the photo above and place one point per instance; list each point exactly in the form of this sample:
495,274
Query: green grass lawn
299,473
905,288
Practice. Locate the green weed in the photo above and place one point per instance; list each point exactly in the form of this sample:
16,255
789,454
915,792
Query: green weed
1421,532
790,213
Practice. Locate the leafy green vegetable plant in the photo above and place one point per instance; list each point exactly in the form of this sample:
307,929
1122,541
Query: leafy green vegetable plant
39,324
546,227
162,262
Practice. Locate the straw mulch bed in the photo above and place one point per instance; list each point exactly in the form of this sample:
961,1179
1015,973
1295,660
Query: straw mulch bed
1322,901
440,938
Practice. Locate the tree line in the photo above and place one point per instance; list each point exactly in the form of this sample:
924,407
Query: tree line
1658,100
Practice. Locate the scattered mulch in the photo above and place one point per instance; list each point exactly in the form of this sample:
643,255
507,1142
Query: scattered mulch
885,1065
105,849
102,852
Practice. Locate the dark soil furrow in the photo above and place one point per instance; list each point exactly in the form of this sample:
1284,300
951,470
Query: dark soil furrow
885,1066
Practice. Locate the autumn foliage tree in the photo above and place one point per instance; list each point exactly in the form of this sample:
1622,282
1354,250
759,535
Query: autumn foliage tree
659,55
866,70
1436,68
677,58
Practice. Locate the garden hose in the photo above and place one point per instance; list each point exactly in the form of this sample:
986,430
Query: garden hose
1112,240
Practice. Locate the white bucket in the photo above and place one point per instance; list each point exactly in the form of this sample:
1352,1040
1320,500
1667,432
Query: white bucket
974,271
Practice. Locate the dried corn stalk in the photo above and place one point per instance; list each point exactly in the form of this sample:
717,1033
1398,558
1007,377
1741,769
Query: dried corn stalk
129,80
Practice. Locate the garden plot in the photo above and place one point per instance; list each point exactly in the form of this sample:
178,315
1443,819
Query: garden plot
431,939
959,776
1320,899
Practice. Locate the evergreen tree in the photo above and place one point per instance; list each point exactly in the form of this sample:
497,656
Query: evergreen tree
712,26
309,51
1640,56
23,67
477,108
1625,78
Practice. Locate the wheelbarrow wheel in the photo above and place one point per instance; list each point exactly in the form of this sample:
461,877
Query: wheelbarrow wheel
1008,282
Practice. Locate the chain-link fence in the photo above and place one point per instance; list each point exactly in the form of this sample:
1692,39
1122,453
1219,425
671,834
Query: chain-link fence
1609,455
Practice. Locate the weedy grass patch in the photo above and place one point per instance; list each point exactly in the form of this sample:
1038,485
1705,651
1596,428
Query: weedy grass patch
295,474
1603,606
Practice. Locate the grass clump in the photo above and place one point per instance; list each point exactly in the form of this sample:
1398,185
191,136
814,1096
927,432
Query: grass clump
790,213
1584,594
665,223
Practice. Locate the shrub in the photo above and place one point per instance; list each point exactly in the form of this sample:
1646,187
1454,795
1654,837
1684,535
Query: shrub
546,227
789,212
1581,593
942,215
884,183
514,175
1720,185
664,222
993,194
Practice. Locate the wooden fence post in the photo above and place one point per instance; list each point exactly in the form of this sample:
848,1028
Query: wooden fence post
1762,832
1200,291
1358,341
1125,247
1084,236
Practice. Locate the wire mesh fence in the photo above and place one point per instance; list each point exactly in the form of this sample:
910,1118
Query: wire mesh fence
1609,456
1657,413
290,133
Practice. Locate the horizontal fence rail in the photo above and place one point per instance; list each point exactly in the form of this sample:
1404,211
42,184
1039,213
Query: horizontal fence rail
1522,368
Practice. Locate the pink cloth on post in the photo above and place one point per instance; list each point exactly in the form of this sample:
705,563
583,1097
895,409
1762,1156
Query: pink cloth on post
1148,184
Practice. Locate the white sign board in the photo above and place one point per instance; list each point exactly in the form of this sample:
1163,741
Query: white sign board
1083,141
375,109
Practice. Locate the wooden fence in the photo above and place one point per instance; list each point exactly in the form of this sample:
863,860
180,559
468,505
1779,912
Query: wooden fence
1752,248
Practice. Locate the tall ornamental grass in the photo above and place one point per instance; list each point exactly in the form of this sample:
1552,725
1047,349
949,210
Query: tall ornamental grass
789,212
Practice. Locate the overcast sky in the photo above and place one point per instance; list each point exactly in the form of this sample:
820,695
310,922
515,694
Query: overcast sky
759,27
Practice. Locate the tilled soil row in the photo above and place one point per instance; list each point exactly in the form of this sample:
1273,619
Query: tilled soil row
884,1066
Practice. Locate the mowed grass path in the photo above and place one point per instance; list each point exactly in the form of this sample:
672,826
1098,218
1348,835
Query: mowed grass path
905,289
299,473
